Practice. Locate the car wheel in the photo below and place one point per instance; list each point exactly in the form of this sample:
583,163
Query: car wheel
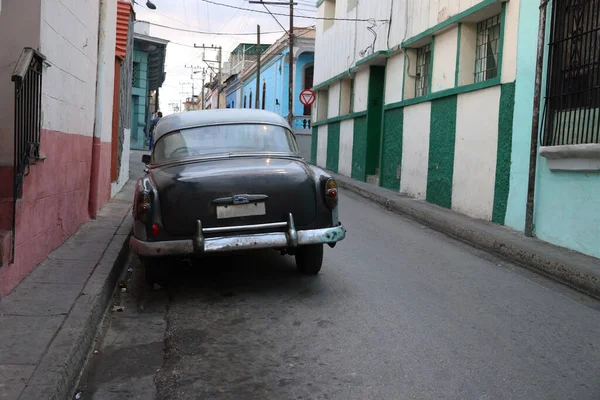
155,270
309,259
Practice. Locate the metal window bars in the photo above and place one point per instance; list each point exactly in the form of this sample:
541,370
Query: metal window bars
423,71
486,50
572,112
27,77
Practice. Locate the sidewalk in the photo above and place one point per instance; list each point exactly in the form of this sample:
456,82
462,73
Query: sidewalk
569,267
49,322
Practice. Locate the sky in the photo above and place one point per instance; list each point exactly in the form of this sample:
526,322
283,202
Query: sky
222,26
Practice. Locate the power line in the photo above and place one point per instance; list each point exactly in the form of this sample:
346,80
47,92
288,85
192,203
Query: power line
275,18
209,33
298,16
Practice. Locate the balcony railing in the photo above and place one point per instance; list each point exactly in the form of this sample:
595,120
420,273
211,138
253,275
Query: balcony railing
302,122
573,88
27,77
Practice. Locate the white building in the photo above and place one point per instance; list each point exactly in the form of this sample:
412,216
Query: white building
418,96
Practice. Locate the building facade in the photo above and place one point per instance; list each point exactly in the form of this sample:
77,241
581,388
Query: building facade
148,77
437,104
61,156
567,176
273,93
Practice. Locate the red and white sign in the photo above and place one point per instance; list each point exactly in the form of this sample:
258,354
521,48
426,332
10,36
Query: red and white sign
307,97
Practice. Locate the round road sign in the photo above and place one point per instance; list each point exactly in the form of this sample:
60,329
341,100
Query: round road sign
307,97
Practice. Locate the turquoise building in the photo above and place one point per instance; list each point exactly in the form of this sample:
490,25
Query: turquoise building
566,209
273,93
148,77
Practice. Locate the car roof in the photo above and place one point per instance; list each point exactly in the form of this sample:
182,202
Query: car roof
224,116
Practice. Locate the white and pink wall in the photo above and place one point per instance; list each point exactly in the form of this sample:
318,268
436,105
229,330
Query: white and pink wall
66,188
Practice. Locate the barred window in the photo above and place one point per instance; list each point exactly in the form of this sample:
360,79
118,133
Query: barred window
423,71
486,50
573,80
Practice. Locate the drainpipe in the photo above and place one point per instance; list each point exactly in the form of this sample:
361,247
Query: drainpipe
96,142
529,210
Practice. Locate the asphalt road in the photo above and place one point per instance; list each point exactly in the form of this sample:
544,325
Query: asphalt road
398,312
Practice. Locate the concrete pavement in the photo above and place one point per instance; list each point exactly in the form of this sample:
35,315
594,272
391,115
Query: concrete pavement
569,267
399,311
48,324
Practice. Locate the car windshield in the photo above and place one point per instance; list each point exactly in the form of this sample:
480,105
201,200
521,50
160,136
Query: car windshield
218,139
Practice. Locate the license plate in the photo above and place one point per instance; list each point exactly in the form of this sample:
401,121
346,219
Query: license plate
241,210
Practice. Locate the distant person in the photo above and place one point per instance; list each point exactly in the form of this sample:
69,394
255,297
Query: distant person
153,124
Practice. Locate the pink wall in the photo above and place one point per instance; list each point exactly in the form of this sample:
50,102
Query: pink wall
54,203
101,176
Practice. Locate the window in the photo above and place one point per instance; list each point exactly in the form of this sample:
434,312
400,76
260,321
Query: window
346,96
328,13
423,74
573,82
136,76
322,104
264,95
219,139
352,96
486,50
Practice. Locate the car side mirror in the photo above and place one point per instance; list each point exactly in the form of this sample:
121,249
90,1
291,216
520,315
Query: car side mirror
146,158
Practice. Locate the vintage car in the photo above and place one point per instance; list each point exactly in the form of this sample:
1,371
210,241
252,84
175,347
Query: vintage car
228,180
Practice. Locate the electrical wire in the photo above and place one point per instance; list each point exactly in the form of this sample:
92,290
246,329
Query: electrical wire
276,20
210,33
297,16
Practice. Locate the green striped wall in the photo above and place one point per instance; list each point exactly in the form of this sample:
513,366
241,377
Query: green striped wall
391,157
333,146
441,151
505,131
441,161
314,145
359,149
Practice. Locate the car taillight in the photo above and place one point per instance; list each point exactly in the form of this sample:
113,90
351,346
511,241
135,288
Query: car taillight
331,193
144,204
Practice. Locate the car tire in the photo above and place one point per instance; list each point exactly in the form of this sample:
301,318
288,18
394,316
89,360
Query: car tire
309,259
154,270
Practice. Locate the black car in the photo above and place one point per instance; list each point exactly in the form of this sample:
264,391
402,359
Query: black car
229,180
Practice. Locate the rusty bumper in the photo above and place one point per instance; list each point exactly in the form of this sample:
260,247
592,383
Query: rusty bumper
200,245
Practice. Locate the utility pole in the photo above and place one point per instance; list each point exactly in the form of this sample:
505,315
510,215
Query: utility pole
219,60
203,72
291,62
193,68
203,78
258,68
290,116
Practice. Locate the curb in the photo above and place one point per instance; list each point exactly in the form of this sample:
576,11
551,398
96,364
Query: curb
569,267
59,371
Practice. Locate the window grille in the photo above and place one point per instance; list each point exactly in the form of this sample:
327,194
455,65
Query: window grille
423,71
486,51
573,77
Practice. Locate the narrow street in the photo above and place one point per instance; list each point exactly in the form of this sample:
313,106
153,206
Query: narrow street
398,312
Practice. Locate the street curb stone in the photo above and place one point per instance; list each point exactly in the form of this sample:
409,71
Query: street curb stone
569,267
58,372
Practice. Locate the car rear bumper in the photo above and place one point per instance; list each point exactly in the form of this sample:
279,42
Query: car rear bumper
200,245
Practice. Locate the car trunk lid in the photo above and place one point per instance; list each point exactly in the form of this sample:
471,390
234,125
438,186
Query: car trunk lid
234,191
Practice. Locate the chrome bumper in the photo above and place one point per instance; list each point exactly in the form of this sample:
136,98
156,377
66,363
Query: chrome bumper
200,245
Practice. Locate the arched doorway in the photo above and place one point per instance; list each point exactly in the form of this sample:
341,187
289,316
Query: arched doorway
307,83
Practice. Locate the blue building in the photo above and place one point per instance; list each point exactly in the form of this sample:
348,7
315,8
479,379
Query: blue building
148,76
240,86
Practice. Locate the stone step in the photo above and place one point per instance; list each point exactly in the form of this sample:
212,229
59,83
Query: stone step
6,181
6,213
5,247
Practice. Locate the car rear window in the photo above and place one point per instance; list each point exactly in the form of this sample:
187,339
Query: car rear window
219,139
